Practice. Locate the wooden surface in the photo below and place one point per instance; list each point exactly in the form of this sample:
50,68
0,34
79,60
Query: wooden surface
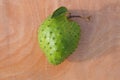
96,58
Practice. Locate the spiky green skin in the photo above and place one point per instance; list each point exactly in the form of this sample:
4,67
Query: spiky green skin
58,38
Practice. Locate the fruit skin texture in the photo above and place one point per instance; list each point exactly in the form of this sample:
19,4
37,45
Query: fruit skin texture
58,36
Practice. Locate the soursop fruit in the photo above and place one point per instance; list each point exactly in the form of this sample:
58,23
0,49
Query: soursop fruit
58,36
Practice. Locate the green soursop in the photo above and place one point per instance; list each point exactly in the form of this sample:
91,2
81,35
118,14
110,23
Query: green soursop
58,36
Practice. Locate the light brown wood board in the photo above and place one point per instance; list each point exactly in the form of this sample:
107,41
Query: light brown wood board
96,58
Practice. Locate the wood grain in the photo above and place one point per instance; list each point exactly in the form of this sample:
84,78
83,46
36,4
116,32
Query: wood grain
96,58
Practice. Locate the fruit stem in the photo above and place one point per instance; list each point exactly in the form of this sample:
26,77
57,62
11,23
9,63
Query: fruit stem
88,18
72,16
